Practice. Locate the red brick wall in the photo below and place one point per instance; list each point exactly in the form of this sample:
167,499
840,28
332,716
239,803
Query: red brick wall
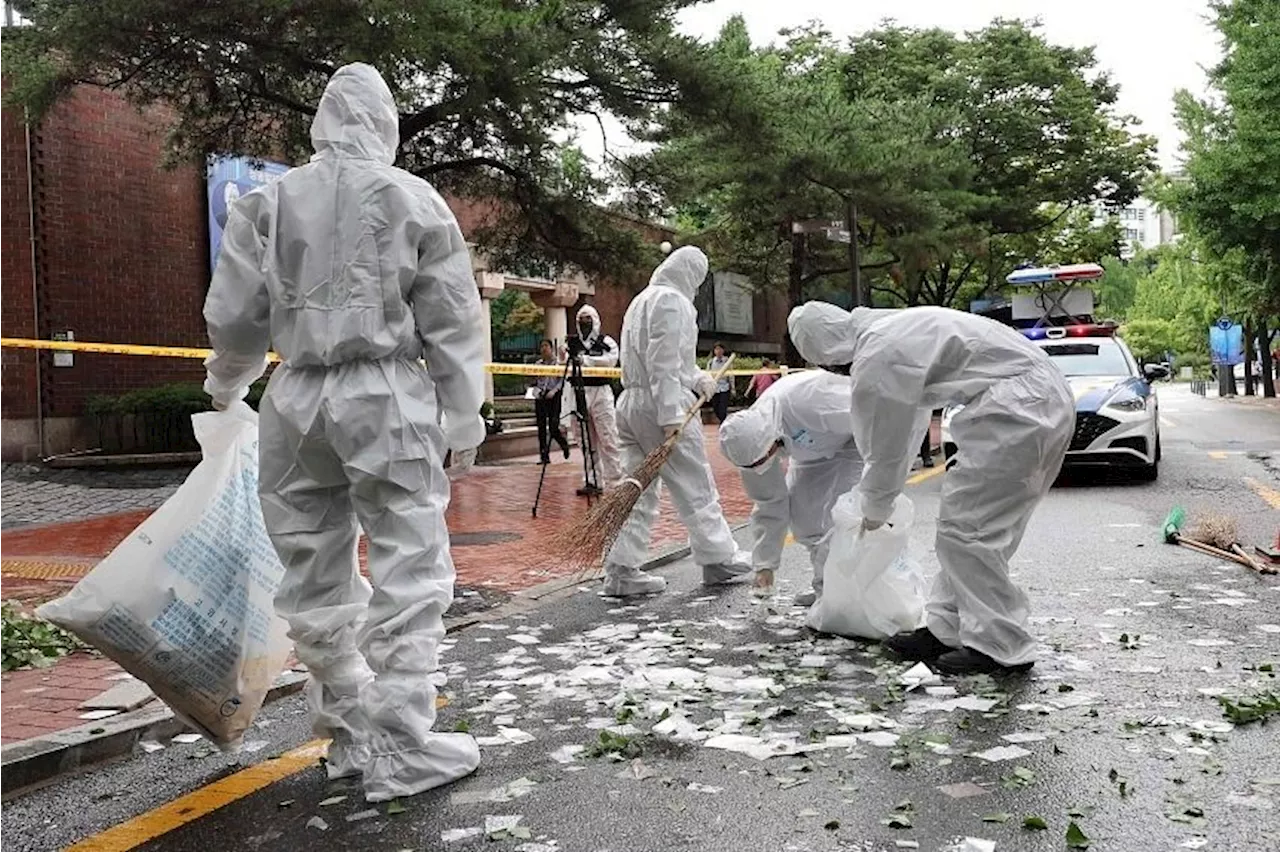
17,367
122,246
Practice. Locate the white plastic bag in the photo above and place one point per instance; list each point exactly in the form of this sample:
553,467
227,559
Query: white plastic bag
870,588
186,602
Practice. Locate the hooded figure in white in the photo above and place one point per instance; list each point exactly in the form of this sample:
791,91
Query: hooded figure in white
354,270
660,381
600,350
1011,437
805,417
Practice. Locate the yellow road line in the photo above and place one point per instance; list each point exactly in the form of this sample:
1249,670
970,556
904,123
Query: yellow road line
927,473
1218,455
1165,421
1268,494
147,827
204,801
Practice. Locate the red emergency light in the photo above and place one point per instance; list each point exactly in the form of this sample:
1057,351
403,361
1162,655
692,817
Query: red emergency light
1058,333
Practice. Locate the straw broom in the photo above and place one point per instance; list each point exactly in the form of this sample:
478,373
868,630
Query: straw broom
589,538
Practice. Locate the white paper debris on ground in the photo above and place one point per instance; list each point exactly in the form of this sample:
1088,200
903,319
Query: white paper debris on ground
1251,802
1269,628
879,739
813,661
1001,753
917,676
333,800
935,705
253,746
524,639
506,793
1210,643
973,844
567,754
187,739
963,790
363,815
495,823
704,788
637,770
150,746
1075,699
862,721
506,736
456,835
940,691
317,823
678,727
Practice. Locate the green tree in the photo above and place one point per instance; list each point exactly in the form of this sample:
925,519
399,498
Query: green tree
485,88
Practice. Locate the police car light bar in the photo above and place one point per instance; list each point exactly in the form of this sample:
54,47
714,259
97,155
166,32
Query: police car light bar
1049,274
1059,332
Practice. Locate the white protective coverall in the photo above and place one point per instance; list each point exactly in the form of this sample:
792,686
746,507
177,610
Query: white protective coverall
660,380
601,351
1011,438
809,412
354,270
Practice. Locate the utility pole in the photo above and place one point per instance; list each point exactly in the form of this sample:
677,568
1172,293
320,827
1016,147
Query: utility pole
855,262
795,288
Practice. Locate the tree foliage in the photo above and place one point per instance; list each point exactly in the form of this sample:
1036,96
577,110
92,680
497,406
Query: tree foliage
487,89
963,156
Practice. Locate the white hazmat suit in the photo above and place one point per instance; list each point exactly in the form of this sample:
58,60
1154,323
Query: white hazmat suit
354,271
1011,437
809,413
600,350
660,380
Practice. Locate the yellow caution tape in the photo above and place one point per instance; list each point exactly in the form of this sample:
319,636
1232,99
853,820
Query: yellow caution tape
551,370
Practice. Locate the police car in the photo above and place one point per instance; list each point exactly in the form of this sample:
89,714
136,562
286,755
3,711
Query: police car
1117,413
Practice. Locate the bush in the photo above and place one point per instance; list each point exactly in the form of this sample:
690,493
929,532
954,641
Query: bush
30,642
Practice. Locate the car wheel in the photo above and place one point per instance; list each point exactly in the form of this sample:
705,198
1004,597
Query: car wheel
1159,450
1149,473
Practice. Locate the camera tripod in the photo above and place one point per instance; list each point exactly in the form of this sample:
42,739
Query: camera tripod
572,377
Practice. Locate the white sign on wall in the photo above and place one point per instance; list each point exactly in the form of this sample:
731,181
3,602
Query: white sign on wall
734,303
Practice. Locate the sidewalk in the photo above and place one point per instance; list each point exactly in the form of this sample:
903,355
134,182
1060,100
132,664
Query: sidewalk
498,549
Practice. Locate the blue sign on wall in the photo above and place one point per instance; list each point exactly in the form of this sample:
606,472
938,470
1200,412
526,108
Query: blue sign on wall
1226,343
228,179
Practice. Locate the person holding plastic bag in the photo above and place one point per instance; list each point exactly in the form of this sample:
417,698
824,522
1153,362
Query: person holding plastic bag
354,270
1011,437
805,417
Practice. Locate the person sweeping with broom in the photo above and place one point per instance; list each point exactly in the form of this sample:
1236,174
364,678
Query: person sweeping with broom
660,382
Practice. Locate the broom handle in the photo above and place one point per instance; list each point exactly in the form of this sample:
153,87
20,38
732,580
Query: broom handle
1210,550
697,405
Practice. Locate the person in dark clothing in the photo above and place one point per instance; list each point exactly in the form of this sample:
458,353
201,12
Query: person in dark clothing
720,400
546,406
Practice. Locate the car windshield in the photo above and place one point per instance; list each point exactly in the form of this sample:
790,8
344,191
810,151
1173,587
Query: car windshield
1102,357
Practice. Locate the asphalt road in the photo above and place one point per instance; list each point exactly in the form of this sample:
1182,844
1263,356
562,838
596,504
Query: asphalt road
1119,721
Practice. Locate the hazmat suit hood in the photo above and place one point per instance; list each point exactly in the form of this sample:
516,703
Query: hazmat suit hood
357,116
684,270
586,312
827,335
746,436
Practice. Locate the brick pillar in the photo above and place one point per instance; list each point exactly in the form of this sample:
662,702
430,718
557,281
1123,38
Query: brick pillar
555,304
491,285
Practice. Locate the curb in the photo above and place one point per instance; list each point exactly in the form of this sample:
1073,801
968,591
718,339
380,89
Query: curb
29,764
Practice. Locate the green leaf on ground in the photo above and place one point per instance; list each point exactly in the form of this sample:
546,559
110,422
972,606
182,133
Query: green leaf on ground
1076,839
1251,708
1000,818
1035,823
395,808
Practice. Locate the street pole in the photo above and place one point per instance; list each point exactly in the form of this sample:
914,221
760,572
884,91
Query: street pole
855,271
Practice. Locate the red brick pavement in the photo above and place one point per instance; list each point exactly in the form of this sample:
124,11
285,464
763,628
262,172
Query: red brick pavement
496,499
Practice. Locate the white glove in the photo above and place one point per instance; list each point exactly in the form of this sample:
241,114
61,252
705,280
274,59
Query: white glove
221,402
461,462
706,385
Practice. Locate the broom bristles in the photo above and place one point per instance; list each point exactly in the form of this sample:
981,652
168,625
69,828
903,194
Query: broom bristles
587,540
1218,530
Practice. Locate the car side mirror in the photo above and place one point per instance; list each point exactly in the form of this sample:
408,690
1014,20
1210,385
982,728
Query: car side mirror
1155,371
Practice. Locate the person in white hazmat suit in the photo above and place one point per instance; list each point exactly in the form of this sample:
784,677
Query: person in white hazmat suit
598,350
660,381
806,418
1011,437
354,270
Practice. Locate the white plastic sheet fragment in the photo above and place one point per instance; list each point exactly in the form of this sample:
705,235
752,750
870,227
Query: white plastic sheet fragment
186,602
1001,753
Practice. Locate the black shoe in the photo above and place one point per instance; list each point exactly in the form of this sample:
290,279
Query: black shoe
919,645
546,458
967,661
589,491
564,445
928,461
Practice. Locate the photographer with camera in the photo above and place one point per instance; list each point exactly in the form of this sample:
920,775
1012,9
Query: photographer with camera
596,349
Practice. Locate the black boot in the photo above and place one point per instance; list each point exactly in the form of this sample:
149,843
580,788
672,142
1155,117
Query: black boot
967,661
919,645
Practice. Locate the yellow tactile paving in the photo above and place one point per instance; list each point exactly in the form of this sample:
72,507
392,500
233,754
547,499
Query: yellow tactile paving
29,569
